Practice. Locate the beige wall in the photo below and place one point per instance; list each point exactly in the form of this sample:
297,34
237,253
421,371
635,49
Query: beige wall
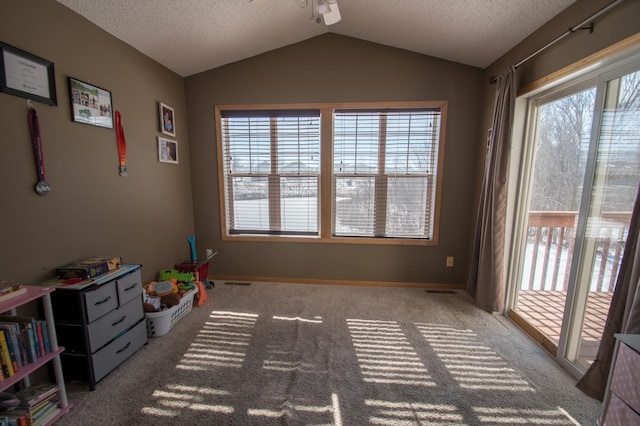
334,68
91,211
146,216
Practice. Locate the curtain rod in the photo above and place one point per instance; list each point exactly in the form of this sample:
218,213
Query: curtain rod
571,30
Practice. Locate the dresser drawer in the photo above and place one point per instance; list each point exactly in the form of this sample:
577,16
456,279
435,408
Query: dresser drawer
101,300
110,325
108,358
619,413
625,382
129,286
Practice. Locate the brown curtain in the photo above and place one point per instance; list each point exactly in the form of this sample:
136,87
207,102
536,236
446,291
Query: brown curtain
633,317
486,276
624,312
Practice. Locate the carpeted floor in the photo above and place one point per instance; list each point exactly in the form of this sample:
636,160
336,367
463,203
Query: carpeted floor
293,354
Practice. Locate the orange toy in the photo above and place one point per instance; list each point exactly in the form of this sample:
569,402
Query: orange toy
201,296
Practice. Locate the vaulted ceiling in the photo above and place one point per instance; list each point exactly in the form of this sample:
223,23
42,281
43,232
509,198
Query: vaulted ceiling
191,36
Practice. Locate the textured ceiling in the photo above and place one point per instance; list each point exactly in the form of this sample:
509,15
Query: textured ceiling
190,36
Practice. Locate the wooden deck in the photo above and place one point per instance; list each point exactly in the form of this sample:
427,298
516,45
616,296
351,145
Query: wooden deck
543,310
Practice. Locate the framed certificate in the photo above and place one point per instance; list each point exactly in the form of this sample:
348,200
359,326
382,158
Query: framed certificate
26,75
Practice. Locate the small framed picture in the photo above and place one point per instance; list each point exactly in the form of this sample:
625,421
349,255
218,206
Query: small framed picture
90,104
167,120
26,75
167,150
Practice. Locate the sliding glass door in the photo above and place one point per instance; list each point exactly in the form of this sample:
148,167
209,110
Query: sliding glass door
579,183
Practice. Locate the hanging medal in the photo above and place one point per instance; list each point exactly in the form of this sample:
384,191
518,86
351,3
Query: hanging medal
122,144
42,187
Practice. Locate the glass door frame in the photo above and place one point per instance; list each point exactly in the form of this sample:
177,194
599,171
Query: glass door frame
576,302
522,159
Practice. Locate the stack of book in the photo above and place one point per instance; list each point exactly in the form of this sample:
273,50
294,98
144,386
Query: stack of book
23,340
38,405
88,268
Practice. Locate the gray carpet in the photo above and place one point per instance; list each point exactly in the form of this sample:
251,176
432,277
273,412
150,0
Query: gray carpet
287,354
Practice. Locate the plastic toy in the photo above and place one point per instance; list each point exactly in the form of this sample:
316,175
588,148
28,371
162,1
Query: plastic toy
183,277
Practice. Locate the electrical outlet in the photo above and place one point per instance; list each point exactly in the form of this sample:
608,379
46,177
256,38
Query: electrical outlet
209,252
449,261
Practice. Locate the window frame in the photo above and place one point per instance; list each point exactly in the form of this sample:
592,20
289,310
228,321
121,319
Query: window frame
326,185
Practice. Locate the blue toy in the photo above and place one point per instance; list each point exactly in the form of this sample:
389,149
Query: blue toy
192,246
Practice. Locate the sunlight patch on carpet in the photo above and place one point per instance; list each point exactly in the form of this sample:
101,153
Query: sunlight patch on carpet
291,408
374,341
221,342
400,413
514,416
224,409
197,389
173,399
263,412
289,366
315,320
335,403
158,412
473,365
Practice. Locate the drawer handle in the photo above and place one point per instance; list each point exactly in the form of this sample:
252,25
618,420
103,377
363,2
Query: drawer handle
106,299
125,347
119,321
131,287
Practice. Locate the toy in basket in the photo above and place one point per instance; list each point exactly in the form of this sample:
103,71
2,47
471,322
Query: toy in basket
160,323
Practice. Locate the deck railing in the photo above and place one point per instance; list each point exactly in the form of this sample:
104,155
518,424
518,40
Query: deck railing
551,239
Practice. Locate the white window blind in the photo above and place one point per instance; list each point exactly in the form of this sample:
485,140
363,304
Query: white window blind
384,169
271,171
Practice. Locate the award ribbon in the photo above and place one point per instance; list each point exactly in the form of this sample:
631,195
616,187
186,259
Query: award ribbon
122,144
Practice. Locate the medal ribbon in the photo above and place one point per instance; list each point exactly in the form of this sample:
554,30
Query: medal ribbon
36,142
122,144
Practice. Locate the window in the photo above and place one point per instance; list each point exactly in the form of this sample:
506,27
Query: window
370,176
271,171
383,167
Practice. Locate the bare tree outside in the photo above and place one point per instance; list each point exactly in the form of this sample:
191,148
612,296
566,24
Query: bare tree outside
562,143
564,129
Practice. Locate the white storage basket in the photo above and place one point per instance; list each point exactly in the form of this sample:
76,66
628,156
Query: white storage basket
160,323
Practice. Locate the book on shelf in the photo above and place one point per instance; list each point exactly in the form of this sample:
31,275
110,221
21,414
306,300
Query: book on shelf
4,367
34,394
46,415
40,401
7,364
29,339
12,344
45,332
25,417
30,342
18,417
14,332
15,336
40,338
